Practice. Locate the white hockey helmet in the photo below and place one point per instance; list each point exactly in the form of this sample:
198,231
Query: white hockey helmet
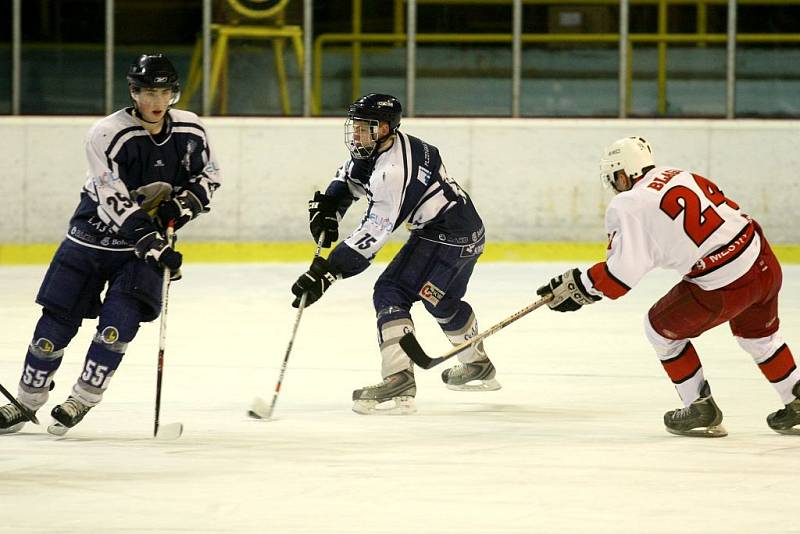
629,154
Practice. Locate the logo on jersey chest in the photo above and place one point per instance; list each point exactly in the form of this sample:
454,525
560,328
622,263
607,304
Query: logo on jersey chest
431,293
159,163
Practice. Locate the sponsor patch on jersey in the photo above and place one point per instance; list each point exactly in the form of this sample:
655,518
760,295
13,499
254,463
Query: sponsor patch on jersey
424,175
431,293
472,250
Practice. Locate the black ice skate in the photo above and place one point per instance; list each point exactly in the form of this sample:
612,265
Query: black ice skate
11,419
67,415
474,376
786,420
399,388
702,418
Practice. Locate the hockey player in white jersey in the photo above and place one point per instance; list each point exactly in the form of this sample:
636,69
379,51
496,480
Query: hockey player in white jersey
148,164
675,219
404,181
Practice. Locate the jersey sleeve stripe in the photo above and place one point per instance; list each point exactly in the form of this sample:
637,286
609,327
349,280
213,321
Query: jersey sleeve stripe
112,148
605,282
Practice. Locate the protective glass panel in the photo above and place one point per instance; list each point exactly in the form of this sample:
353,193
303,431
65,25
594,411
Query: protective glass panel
169,28
677,61
256,58
464,61
62,57
348,63
768,73
570,60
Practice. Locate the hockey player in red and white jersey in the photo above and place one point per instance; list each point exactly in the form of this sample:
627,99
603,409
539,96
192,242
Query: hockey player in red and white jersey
675,219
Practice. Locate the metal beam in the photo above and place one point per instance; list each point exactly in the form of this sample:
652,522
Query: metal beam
109,96
730,75
16,46
411,56
308,43
206,58
516,53
623,58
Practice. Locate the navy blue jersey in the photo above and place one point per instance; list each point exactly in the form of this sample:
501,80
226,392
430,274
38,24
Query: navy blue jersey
407,183
131,172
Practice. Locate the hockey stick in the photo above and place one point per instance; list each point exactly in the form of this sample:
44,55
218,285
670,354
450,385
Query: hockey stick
26,412
412,347
259,409
172,430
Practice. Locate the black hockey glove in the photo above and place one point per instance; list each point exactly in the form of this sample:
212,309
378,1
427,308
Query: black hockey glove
568,292
153,249
322,217
314,282
181,209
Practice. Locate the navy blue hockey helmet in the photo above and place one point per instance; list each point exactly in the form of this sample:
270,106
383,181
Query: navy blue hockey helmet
377,106
362,128
153,70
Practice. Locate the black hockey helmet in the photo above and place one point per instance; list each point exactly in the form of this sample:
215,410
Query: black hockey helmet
153,70
377,106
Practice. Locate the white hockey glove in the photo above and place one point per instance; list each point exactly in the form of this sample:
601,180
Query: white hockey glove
314,282
568,292
181,209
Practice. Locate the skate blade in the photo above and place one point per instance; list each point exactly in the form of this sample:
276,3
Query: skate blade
483,385
12,429
716,431
169,432
57,429
793,431
394,406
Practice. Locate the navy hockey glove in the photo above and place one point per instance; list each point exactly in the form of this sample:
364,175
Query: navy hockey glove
322,217
181,209
314,282
568,292
153,249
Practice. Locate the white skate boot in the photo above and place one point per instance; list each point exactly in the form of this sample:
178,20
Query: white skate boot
474,376
399,389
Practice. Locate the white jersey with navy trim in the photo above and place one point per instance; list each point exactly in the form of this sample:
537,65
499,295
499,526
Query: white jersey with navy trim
407,183
131,171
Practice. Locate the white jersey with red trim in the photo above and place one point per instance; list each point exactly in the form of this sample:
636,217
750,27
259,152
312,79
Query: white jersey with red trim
678,220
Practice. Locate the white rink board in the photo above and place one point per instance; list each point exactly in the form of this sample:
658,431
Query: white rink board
573,443
532,179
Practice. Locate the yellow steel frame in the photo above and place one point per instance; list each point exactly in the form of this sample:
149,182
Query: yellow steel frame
662,38
223,34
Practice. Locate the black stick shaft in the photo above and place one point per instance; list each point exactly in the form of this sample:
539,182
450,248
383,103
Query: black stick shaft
162,337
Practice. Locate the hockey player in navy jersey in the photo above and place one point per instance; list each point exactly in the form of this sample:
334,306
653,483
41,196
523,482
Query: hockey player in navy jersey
148,164
404,181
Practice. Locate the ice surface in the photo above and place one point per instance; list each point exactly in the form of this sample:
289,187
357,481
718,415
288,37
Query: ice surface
572,443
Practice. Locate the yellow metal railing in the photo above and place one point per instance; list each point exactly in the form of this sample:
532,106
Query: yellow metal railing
661,39
528,38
